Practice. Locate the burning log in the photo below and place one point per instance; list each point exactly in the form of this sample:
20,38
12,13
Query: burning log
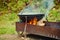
33,21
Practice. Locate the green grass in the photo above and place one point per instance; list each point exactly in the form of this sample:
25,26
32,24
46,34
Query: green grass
7,23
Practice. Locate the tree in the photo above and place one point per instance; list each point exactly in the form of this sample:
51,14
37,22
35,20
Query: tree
8,6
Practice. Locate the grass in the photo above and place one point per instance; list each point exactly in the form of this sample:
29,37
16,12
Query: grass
7,23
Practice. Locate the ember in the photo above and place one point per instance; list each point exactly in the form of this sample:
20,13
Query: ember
33,21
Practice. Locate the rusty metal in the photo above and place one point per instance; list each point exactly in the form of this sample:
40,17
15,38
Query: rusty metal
48,30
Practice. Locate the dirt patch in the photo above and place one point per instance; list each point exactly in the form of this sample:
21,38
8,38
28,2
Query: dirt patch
10,37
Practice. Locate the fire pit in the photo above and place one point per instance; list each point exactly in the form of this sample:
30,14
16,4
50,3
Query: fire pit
28,22
46,31
50,29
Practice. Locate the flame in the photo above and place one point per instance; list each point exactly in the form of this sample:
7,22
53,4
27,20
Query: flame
30,22
33,21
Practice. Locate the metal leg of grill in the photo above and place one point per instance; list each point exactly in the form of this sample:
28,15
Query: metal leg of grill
25,28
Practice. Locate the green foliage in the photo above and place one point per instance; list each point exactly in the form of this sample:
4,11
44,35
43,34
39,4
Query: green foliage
54,16
9,8
7,23
12,5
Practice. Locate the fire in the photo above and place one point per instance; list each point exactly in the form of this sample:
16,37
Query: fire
33,21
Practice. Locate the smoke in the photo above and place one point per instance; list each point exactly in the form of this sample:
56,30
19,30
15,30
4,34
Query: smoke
38,7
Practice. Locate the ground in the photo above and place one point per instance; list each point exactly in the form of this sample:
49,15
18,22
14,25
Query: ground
10,37
13,37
